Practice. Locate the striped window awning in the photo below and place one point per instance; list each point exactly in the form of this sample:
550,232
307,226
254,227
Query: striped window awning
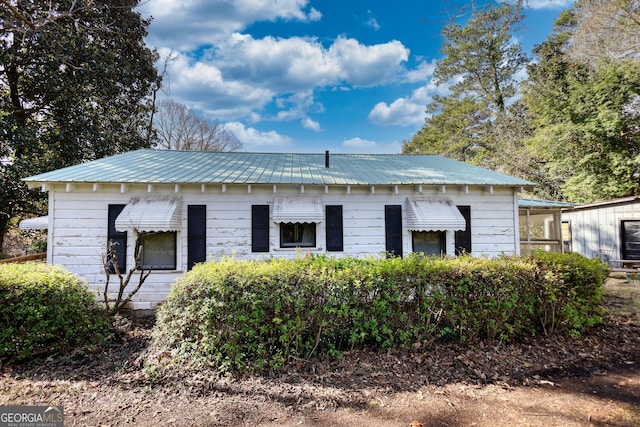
145,214
297,209
38,223
433,215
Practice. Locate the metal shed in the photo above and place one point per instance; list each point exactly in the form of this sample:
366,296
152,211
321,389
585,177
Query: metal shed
607,230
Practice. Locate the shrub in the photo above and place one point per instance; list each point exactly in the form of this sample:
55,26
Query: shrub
45,310
571,299
256,315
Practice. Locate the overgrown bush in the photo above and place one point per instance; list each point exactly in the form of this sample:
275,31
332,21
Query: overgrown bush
256,315
46,310
571,298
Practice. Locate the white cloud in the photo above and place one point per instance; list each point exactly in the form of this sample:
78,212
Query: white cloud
253,139
310,124
422,72
408,111
362,66
298,63
401,112
242,75
372,22
545,4
360,145
209,21
201,86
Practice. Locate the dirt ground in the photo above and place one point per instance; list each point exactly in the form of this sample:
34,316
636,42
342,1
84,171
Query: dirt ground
593,380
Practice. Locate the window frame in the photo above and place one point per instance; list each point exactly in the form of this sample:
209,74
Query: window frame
298,229
442,235
143,236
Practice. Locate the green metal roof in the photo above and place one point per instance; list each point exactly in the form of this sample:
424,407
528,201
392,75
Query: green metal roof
181,167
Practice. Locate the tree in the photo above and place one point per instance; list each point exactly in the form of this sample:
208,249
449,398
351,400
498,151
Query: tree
75,80
483,55
605,29
456,128
585,120
180,128
481,60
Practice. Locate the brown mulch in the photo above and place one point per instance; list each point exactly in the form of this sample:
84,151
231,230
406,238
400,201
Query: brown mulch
593,380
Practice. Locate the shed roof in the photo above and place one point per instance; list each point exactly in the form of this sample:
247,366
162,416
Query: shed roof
536,203
608,203
182,167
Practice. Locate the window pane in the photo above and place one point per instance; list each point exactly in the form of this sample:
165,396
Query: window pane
159,251
297,234
429,242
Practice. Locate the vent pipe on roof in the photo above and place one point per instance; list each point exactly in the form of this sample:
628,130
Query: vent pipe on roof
326,159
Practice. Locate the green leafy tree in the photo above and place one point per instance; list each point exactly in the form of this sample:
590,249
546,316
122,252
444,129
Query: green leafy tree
483,56
75,85
585,119
605,29
481,61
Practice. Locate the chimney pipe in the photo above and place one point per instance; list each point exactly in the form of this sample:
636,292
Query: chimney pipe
326,159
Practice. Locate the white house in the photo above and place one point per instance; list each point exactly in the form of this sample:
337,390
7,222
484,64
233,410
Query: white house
190,207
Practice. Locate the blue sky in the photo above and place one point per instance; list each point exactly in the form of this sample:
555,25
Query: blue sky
349,76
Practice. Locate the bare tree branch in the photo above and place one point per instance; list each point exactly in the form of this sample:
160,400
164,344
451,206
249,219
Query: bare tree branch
180,128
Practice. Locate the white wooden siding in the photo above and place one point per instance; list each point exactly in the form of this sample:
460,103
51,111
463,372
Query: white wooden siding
78,234
596,231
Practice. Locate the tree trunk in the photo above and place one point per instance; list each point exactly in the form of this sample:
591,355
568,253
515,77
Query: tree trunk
4,222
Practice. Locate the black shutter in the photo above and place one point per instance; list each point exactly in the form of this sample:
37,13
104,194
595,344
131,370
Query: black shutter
260,228
393,229
334,228
196,234
119,238
463,238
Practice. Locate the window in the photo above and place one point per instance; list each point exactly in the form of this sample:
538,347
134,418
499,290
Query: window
297,235
119,238
196,234
334,228
429,242
158,250
260,228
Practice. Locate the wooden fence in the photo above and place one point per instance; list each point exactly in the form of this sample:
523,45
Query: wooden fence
25,258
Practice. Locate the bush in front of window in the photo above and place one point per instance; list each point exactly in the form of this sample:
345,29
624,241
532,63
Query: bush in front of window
46,310
257,315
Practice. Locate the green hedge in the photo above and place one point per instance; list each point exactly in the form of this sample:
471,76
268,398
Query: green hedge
256,315
46,310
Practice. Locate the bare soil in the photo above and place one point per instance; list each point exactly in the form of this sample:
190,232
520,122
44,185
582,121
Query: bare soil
593,380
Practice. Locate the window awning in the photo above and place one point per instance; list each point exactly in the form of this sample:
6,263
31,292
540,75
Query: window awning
297,209
38,223
433,215
160,213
